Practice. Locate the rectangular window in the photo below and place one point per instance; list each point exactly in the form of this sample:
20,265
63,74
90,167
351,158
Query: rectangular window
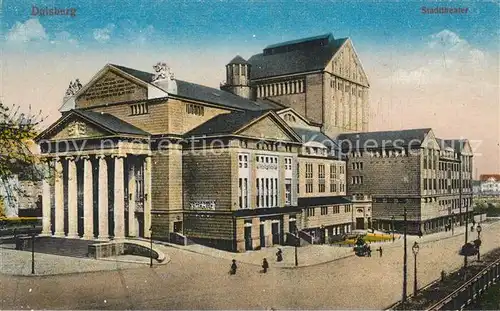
262,194
288,191
310,212
309,170
324,210
336,209
257,201
276,192
333,177
288,164
195,109
309,178
321,178
267,192
309,187
347,209
245,193
240,192
425,183
138,109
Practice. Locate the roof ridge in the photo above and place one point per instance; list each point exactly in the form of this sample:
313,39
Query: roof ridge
300,40
388,131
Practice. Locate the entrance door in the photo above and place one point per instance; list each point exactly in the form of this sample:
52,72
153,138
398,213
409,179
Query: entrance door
292,225
360,222
178,226
262,236
276,232
248,238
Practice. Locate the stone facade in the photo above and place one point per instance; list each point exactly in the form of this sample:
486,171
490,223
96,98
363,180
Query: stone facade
180,158
334,95
424,179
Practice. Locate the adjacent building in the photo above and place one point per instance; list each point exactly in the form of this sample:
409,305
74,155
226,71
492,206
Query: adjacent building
489,184
410,169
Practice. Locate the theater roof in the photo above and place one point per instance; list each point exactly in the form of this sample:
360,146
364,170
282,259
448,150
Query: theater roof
303,55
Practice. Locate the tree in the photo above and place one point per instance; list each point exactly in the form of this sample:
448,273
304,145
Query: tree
17,131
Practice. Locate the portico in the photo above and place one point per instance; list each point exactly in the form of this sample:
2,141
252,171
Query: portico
96,187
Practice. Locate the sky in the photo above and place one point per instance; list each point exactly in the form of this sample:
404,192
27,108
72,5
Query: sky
425,70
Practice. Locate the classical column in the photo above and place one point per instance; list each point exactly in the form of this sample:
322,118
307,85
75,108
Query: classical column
88,199
132,231
58,198
119,201
103,197
72,199
147,196
46,200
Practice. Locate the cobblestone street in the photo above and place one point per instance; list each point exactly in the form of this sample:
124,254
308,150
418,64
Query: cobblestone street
197,281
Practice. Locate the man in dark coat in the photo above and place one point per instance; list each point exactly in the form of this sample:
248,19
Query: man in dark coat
233,268
279,255
265,265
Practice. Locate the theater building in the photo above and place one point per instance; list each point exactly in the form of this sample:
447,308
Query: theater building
138,153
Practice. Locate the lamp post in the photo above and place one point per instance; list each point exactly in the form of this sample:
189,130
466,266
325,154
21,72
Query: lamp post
478,229
33,251
415,248
297,241
151,247
405,259
452,223
392,227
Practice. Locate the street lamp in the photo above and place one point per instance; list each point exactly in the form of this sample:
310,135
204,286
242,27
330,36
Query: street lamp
151,247
297,241
405,259
33,251
478,229
415,248
392,227
452,223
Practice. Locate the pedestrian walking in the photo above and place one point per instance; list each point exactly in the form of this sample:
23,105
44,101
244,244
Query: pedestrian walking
233,268
279,255
369,251
420,234
380,250
265,265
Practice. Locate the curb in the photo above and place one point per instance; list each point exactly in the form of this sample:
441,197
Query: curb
255,264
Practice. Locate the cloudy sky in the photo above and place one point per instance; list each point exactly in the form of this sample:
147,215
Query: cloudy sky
425,70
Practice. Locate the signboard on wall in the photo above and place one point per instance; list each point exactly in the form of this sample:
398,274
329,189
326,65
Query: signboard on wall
202,205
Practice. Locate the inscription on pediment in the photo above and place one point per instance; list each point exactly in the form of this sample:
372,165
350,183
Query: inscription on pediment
111,88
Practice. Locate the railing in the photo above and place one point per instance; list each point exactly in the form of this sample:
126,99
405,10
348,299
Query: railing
306,237
468,292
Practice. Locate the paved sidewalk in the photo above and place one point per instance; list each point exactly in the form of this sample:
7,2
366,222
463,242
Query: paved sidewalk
312,255
14,262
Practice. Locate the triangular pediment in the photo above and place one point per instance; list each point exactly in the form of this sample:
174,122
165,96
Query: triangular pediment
294,119
73,126
430,141
110,85
346,64
467,148
269,127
